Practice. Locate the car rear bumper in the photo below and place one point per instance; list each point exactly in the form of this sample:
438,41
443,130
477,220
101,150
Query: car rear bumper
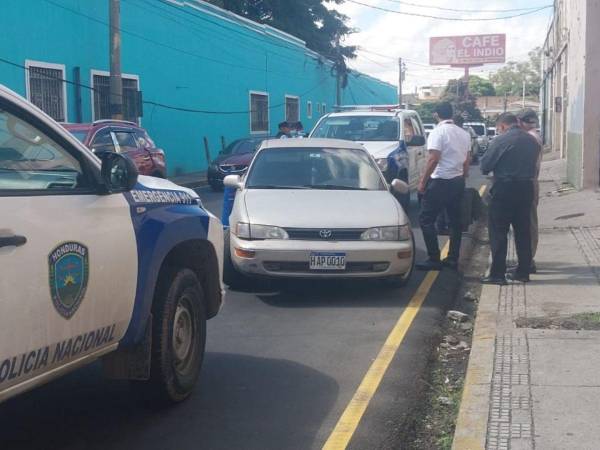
290,258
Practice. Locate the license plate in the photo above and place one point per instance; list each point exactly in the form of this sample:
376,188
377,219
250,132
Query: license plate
327,261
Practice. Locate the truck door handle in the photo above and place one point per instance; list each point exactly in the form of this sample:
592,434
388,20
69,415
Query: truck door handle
12,241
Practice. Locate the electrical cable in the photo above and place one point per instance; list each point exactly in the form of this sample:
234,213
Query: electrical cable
159,104
441,8
458,19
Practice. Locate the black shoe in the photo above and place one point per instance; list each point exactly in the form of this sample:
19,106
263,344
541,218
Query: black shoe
501,281
450,263
429,265
533,268
512,275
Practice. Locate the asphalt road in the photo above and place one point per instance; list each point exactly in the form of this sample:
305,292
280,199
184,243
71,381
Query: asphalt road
280,368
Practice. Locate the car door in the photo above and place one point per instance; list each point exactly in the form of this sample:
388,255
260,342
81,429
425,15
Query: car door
126,143
407,134
68,256
420,150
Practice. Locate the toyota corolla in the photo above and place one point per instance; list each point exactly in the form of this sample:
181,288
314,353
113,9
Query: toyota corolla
318,208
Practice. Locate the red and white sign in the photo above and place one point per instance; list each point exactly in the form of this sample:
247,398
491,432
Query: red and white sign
467,50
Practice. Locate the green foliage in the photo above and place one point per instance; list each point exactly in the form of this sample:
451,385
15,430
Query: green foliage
425,111
322,29
509,79
480,87
463,102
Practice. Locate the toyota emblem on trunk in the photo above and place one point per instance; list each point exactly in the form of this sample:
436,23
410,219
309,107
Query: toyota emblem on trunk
325,234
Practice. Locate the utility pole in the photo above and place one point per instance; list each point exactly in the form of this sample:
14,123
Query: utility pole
523,101
400,76
338,87
116,82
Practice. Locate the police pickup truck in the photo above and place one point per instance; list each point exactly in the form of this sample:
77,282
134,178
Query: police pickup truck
98,264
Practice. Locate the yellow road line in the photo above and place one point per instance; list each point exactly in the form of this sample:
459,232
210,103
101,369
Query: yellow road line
352,415
348,423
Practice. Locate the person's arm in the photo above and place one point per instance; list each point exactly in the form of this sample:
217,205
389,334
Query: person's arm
491,157
432,162
467,165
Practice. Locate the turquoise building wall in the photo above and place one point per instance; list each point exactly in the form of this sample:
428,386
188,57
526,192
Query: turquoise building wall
186,54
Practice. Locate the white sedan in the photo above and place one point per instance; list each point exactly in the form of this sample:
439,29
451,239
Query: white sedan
318,208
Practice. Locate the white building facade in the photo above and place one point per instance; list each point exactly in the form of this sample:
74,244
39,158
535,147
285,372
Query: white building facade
570,91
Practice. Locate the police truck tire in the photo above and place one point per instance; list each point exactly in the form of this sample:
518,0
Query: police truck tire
178,336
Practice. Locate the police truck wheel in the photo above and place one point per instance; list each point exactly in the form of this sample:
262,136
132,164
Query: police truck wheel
178,336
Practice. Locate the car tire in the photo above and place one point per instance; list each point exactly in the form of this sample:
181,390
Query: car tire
399,281
231,276
178,337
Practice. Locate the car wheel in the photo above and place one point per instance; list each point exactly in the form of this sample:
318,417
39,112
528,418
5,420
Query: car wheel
231,276
178,337
402,280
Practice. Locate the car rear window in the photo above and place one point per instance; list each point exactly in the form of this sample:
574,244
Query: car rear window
358,128
79,134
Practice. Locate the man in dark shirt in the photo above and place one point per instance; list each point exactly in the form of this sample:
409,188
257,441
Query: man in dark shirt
512,157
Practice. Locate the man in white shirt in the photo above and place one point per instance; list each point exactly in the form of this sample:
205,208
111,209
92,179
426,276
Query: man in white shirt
442,186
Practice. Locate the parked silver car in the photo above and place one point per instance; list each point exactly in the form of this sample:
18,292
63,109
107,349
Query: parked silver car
318,208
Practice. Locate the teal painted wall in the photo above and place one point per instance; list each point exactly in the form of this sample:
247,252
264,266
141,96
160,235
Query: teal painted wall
199,58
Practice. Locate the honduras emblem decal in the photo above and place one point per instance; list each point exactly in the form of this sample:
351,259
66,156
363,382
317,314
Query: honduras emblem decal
68,276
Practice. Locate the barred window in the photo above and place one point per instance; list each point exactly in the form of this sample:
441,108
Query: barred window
131,103
292,109
47,90
259,112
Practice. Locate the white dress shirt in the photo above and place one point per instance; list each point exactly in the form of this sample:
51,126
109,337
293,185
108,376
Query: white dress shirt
454,145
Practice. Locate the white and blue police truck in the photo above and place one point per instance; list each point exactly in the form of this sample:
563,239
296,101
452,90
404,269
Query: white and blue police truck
98,263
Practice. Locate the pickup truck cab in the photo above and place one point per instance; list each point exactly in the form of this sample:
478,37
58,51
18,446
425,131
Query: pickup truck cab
98,264
394,137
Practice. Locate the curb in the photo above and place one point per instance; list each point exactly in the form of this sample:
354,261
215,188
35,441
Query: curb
471,426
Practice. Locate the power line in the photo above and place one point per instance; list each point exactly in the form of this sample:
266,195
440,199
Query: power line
441,8
159,104
170,47
458,19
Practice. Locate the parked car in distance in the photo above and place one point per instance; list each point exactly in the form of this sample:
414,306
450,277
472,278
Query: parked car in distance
123,137
291,215
234,159
394,137
481,129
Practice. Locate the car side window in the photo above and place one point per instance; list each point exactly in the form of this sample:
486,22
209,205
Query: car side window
30,160
409,130
416,126
126,141
103,142
143,140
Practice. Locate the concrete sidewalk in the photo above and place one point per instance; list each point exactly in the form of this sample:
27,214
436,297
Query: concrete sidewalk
539,387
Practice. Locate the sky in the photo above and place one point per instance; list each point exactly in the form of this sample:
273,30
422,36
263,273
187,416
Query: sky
394,35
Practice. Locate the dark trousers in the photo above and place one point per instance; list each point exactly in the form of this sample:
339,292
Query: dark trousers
510,204
439,195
